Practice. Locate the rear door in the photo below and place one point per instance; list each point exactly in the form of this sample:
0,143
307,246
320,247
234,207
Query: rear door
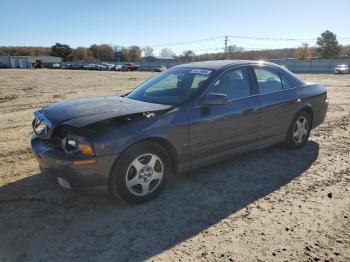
217,130
279,101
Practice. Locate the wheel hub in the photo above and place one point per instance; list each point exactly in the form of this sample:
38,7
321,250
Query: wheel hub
145,174
301,131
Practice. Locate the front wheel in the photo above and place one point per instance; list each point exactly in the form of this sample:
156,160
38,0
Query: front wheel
299,131
141,173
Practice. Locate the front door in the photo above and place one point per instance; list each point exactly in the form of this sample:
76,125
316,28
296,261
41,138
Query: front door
217,130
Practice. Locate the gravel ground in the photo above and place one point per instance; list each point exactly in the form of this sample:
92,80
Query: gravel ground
270,205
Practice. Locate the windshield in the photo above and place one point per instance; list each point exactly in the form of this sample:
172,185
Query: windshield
172,87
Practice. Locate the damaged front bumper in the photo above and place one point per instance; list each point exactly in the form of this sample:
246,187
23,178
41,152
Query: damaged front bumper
68,172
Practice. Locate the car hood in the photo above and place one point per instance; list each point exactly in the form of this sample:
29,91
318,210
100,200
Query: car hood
86,111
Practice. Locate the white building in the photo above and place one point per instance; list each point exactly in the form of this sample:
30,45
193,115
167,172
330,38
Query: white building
27,61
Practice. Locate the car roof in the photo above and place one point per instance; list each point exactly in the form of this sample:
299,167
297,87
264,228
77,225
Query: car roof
219,64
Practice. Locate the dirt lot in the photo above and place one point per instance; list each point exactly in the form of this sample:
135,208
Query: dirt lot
271,205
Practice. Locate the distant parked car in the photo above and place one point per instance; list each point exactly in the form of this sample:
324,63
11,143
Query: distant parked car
101,67
117,68
67,66
38,64
341,69
130,67
77,66
90,67
160,69
56,66
108,66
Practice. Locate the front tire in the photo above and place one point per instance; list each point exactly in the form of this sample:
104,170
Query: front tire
299,131
141,173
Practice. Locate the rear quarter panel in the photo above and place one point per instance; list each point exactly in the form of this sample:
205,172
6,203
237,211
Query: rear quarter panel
316,97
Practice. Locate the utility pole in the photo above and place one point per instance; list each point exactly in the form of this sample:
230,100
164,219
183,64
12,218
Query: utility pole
225,41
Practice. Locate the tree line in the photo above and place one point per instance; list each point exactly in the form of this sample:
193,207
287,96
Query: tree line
103,52
327,47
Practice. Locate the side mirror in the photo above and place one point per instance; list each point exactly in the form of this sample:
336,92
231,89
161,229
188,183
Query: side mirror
214,99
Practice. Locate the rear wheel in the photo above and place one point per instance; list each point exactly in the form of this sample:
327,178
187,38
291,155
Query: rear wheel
299,131
141,173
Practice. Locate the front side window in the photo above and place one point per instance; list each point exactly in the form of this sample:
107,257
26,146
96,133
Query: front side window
172,87
234,83
268,80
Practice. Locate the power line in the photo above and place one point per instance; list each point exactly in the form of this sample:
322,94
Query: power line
242,37
249,45
281,39
187,42
208,49
271,38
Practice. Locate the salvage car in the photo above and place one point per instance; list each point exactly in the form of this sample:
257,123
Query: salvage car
130,67
55,66
117,68
90,67
185,117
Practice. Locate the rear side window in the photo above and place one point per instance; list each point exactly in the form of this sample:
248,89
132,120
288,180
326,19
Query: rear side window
234,83
268,80
286,83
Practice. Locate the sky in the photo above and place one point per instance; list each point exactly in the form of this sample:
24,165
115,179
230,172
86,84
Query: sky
199,25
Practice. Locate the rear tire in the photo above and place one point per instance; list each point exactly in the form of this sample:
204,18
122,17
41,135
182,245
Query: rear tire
141,173
299,132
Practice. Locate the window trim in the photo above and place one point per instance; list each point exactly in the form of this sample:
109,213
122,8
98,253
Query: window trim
255,66
293,86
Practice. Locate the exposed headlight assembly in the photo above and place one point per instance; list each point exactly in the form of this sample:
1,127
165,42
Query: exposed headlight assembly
76,145
41,124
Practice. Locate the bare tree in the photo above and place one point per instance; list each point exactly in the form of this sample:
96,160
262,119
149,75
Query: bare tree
233,49
134,53
303,52
102,52
189,55
81,53
345,51
167,52
147,51
125,54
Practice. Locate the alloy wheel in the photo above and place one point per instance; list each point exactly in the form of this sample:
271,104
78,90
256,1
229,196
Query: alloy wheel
144,174
300,130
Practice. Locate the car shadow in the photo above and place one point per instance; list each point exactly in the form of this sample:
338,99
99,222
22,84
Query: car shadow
88,226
